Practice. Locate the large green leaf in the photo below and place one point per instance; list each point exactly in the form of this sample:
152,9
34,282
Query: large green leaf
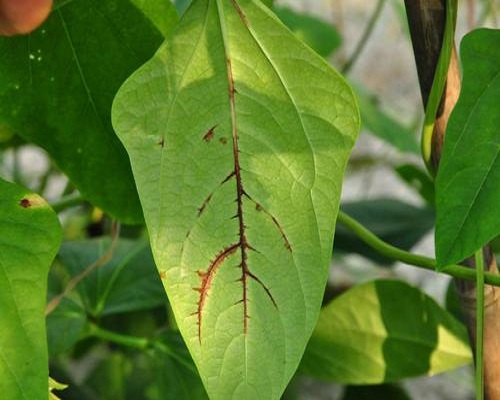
238,136
398,223
468,181
57,86
29,237
384,331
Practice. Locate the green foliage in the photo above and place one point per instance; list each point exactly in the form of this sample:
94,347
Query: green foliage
57,86
259,160
238,136
396,222
29,238
380,124
128,282
418,179
54,385
321,36
467,185
384,331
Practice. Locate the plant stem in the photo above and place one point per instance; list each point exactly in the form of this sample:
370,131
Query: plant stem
416,260
364,38
479,258
67,202
118,338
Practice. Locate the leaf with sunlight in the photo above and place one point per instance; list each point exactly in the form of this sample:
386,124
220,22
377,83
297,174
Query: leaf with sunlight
238,136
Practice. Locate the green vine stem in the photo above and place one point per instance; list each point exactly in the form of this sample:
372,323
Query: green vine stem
479,258
416,260
67,202
118,338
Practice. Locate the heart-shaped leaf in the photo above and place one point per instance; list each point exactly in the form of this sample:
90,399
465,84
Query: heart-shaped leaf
468,180
384,331
238,136
29,238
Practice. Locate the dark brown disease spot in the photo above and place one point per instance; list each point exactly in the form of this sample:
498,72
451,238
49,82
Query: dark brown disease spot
223,140
163,274
161,143
25,203
209,135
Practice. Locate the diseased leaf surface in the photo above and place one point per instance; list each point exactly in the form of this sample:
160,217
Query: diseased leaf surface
238,136
384,331
468,180
29,237
58,83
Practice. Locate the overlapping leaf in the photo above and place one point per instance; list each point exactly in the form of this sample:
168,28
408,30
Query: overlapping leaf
384,331
57,86
29,238
468,180
238,136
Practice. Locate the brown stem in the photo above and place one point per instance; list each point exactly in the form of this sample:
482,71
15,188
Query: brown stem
426,20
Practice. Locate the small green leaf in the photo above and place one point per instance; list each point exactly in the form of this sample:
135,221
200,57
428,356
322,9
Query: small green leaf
321,36
468,180
128,282
398,223
238,136
384,331
65,326
378,123
57,85
29,238
419,180
54,385
176,374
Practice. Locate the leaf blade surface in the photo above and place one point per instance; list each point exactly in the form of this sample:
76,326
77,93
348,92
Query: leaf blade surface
468,180
29,237
236,156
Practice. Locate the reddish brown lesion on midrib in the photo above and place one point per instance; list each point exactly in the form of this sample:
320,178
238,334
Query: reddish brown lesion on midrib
243,245
206,280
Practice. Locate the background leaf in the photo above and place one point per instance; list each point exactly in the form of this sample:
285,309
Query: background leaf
65,326
398,223
418,179
384,331
29,237
129,282
468,180
320,35
380,124
57,85
261,152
